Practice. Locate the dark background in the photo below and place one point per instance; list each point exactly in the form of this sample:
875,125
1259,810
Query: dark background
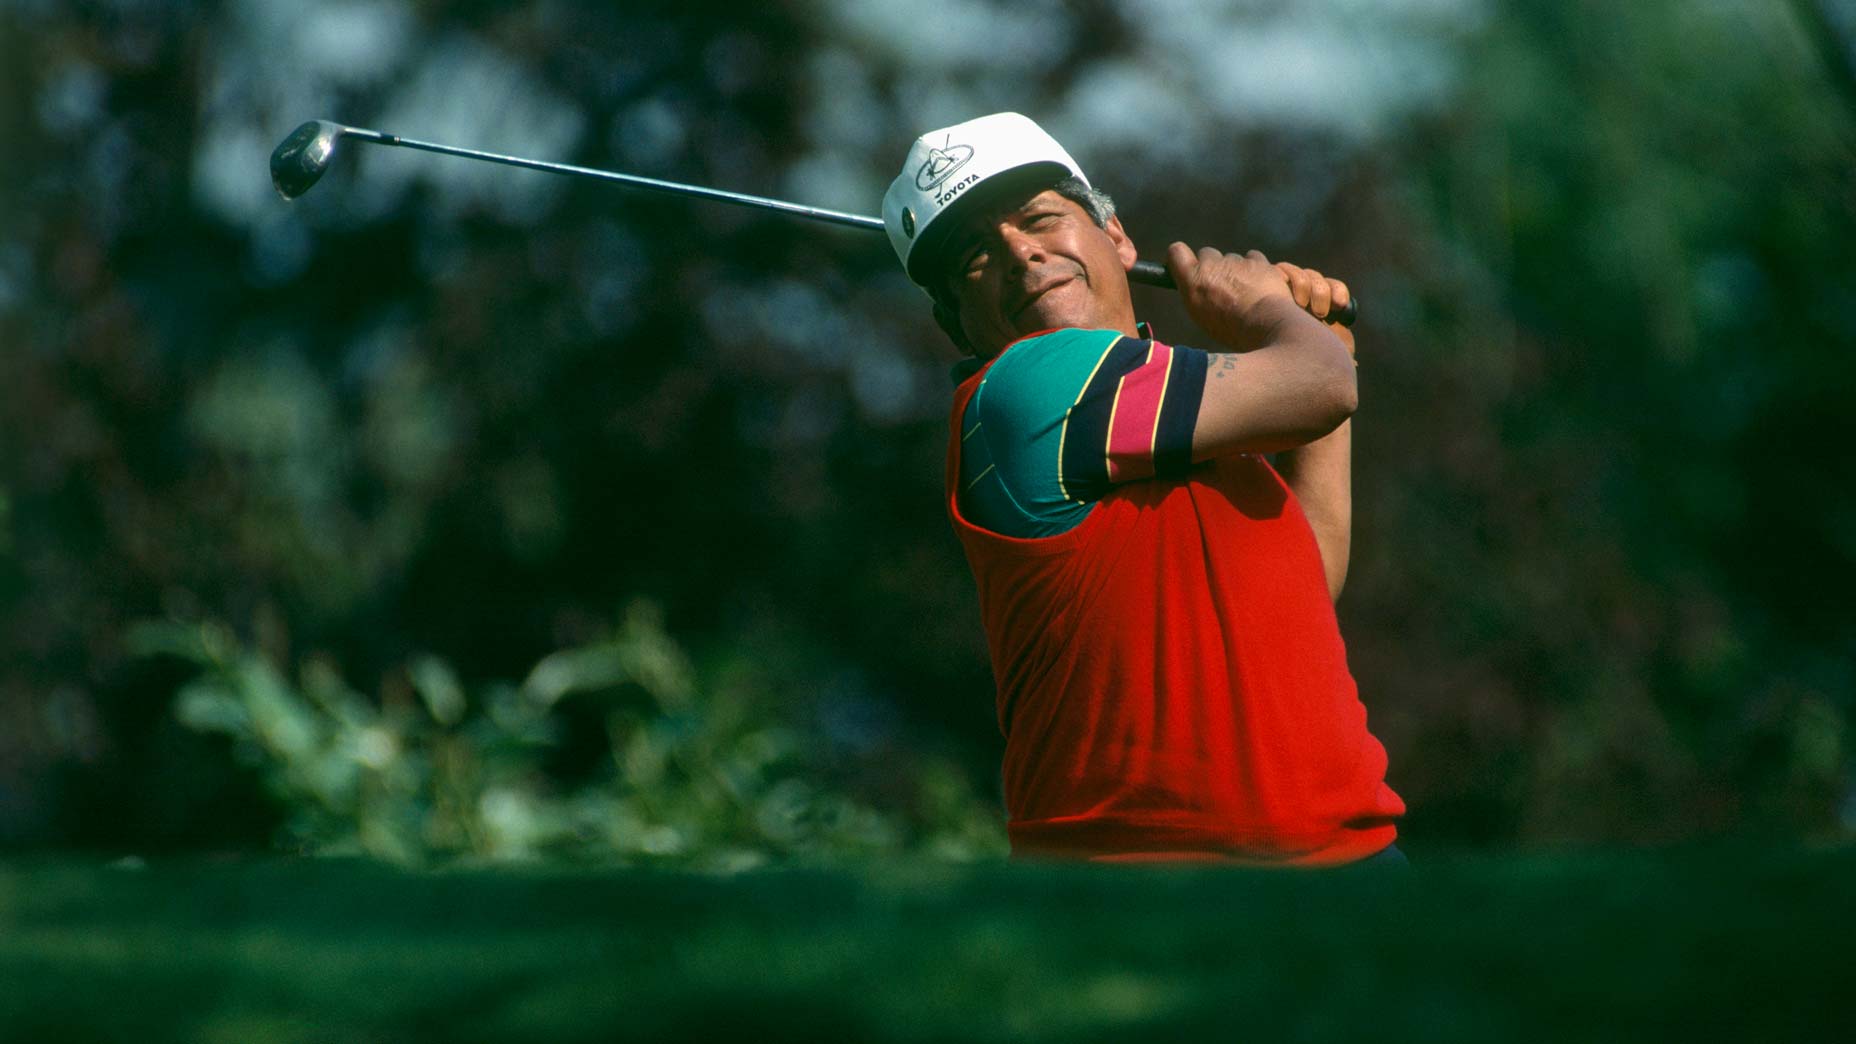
298,500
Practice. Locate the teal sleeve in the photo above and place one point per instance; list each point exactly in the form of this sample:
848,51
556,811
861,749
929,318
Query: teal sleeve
1012,433
1061,417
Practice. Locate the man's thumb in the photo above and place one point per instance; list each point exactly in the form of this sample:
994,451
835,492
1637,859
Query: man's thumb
1180,260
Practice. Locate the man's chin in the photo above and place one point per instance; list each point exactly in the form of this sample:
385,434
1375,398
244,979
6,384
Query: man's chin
1059,307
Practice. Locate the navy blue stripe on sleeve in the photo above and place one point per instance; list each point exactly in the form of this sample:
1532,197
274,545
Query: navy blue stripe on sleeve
1179,414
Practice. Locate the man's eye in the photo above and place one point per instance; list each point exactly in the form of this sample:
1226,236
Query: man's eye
1040,220
974,262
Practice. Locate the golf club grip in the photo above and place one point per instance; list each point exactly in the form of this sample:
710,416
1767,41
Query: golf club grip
1153,273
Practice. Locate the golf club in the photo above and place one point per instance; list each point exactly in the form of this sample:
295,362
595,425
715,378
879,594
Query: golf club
303,157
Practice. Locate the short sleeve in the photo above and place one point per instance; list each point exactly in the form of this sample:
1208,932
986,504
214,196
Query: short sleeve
1059,419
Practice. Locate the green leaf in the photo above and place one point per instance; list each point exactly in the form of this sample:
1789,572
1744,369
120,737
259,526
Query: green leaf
437,684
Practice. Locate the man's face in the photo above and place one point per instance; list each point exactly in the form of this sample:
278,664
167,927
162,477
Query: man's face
1037,263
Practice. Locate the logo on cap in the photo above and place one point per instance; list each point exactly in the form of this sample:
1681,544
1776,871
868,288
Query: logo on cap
941,165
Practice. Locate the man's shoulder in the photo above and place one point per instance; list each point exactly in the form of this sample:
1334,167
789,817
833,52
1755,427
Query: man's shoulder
1036,378
1031,358
1062,356
1048,344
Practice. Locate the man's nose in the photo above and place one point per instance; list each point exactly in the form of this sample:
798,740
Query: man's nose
1021,246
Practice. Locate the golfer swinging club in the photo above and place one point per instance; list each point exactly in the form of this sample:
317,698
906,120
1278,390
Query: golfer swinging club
1157,598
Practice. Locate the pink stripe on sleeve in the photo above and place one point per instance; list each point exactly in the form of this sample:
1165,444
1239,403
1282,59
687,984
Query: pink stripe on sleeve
1136,415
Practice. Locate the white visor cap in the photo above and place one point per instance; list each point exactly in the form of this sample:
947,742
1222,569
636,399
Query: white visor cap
946,166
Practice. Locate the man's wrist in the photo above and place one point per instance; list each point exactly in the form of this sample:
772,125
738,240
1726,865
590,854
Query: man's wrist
1268,316
1258,325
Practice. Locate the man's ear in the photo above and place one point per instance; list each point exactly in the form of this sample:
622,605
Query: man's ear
949,322
1124,247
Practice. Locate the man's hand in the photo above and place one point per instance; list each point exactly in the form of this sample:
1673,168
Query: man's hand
1319,295
1228,295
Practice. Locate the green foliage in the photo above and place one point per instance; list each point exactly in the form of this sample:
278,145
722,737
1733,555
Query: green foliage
686,774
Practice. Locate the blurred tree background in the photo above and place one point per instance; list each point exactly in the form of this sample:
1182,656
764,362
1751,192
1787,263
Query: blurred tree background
460,511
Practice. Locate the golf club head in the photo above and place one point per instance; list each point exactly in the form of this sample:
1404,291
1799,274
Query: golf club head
301,159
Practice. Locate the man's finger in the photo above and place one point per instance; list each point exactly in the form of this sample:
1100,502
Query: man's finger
1300,286
1339,293
1319,297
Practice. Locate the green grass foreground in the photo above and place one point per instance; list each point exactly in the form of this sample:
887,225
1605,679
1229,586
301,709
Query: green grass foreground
1624,946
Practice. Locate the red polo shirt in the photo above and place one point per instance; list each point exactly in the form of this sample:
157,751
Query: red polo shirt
1171,678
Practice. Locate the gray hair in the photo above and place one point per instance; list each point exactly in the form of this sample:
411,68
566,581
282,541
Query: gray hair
1093,200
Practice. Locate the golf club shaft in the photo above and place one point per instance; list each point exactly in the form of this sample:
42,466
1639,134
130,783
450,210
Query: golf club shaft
836,217
1149,273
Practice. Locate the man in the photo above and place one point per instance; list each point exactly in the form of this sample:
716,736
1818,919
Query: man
1157,598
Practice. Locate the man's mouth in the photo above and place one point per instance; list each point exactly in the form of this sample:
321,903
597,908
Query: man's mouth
1031,297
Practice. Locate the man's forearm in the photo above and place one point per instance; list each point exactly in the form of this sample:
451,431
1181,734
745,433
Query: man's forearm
1321,475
